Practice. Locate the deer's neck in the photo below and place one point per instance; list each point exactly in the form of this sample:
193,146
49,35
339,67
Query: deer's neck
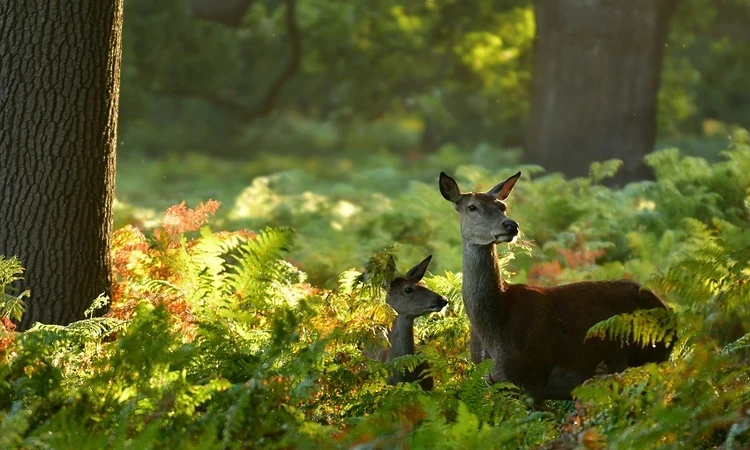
401,337
483,285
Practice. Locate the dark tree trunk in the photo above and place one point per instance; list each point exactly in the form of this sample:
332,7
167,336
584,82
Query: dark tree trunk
59,86
597,66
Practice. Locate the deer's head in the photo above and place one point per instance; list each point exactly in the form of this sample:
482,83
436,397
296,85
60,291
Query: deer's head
483,214
410,297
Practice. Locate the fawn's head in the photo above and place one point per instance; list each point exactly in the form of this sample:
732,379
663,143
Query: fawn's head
410,297
483,219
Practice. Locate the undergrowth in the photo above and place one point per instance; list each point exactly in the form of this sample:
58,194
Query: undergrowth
222,339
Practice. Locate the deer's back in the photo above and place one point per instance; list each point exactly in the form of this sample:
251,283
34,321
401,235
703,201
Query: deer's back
558,318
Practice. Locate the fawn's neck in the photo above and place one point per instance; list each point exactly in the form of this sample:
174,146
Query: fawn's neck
483,285
401,337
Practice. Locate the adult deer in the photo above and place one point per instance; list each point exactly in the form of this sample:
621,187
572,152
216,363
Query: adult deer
411,299
535,335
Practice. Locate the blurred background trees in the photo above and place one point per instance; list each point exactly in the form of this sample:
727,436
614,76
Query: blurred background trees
413,77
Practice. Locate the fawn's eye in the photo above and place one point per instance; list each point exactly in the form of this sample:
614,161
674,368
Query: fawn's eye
471,208
408,289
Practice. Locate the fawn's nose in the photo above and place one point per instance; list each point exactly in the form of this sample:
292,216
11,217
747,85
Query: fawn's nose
510,226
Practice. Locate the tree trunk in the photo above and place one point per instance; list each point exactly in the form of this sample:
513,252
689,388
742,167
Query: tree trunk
59,86
597,66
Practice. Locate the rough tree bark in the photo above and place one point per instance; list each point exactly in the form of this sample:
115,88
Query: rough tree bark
597,65
59,86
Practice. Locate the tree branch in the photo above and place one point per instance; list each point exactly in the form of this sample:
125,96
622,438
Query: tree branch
241,111
295,57
226,12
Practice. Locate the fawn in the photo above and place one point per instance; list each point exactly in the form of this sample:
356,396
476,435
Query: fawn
411,299
535,335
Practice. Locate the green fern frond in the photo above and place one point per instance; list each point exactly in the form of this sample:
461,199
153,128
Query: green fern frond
162,286
11,306
87,329
740,344
208,262
599,171
349,280
449,285
380,270
644,326
98,327
15,422
99,303
258,266
10,270
714,276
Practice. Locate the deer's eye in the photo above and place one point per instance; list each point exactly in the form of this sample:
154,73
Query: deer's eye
471,208
408,289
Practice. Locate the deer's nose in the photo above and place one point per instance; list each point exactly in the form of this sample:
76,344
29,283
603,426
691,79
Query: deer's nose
510,226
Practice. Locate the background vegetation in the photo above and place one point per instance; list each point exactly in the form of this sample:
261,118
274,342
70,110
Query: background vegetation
239,319
405,77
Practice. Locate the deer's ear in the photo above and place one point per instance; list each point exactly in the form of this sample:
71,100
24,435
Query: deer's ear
502,190
418,271
449,188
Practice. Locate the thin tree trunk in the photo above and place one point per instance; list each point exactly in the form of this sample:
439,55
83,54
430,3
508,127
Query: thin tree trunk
59,86
597,66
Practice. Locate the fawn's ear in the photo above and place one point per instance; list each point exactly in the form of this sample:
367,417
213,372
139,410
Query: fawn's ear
418,271
449,188
502,190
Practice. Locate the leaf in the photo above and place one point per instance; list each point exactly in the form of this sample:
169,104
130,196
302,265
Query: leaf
644,326
739,344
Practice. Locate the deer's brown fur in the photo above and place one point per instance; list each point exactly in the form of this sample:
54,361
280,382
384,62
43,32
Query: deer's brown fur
535,335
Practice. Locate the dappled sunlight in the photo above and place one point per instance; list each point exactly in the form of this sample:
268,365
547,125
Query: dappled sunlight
250,276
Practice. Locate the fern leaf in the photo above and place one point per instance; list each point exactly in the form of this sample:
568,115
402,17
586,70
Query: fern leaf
99,303
258,264
739,344
11,306
94,328
644,327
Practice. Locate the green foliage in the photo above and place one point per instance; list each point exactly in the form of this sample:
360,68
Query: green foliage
265,360
391,74
254,277
11,306
274,339
371,76
644,327
739,344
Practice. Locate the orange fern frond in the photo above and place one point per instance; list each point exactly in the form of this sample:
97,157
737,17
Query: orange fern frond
181,219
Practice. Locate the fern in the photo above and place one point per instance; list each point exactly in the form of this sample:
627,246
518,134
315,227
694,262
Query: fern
271,361
83,330
380,270
713,280
740,344
11,306
599,171
644,327
99,304
207,258
257,265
